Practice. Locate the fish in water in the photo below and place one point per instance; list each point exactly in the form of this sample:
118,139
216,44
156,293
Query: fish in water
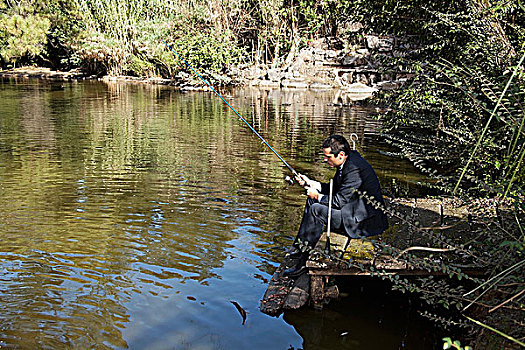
240,309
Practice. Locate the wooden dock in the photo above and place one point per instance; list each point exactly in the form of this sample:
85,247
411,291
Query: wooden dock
285,293
360,258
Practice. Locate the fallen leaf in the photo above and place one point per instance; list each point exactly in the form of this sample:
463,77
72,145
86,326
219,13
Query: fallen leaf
240,309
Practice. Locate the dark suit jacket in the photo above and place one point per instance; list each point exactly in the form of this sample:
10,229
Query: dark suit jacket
360,218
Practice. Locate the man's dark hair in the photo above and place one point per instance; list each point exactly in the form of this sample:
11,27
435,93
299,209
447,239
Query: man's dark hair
337,144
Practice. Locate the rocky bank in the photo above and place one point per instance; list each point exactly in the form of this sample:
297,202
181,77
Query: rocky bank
356,69
332,63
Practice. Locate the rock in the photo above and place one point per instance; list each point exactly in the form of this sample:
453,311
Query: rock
268,83
381,44
386,76
306,55
348,60
338,81
286,73
319,43
158,80
330,53
274,74
354,27
386,85
360,88
294,84
254,73
221,79
320,86
182,76
346,78
299,63
386,44
358,91
372,42
354,61
361,78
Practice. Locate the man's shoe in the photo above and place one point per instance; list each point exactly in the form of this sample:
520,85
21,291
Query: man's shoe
294,252
299,268
295,271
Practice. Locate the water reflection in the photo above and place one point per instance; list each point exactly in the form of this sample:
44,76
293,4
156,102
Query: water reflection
131,215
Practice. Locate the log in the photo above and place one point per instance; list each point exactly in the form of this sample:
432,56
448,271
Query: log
299,294
285,293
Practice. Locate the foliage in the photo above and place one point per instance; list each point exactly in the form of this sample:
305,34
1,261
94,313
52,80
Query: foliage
461,121
456,344
64,32
210,51
39,32
125,37
453,95
23,33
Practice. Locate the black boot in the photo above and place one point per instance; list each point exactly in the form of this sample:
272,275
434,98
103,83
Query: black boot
294,252
298,269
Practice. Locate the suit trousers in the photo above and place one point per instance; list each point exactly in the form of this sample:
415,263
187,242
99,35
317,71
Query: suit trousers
315,217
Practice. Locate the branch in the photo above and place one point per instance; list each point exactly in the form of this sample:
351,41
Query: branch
425,249
496,331
506,301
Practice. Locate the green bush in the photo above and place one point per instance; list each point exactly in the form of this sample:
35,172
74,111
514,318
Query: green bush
212,51
22,37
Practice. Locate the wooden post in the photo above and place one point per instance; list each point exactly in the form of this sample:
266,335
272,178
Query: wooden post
317,291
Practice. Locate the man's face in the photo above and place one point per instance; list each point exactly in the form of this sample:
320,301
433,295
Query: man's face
331,160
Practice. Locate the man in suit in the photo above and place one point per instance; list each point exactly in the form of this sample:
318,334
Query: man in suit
352,213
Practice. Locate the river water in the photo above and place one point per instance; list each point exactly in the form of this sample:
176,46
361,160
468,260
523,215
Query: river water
132,215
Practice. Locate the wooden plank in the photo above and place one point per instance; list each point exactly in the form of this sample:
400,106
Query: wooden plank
362,252
317,290
400,272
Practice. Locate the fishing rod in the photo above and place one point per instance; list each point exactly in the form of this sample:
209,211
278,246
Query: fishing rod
287,177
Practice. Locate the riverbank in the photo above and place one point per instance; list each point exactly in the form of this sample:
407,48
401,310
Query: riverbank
44,74
354,92
323,64
75,74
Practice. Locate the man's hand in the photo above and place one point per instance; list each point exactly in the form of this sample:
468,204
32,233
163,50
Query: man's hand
302,180
312,193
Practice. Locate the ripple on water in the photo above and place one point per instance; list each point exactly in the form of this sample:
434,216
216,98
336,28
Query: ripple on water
121,205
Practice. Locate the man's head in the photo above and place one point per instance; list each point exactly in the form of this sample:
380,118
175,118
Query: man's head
335,150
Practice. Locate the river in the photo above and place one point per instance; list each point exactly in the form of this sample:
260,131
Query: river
132,215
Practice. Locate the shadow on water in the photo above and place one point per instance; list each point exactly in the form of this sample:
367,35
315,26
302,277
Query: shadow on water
132,215
368,316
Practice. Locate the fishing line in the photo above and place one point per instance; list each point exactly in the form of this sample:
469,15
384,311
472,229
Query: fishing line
233,109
